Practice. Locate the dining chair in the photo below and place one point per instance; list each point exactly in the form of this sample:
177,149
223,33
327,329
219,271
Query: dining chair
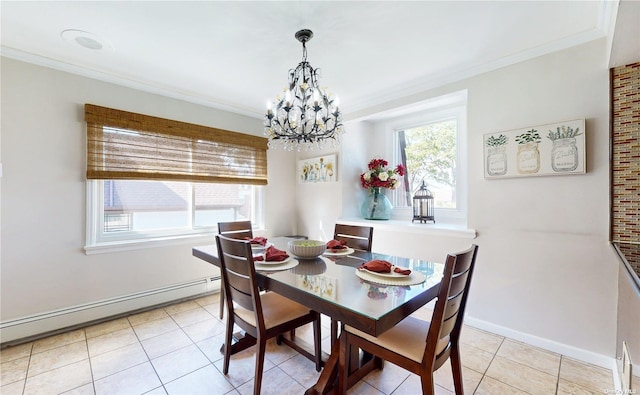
356,237
261,315
236,230
416,345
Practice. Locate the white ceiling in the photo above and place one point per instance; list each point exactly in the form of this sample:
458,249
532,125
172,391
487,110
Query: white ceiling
235,55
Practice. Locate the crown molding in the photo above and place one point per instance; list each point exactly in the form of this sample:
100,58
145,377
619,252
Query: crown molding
37,60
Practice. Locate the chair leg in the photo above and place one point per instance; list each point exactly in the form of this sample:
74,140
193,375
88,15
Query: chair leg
456,368
262,348
221,299
343,363
227,346
427,384
334,331
317,342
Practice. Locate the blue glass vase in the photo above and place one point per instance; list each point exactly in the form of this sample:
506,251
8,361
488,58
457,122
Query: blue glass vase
376,205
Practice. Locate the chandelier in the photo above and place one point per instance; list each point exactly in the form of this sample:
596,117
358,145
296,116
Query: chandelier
304,115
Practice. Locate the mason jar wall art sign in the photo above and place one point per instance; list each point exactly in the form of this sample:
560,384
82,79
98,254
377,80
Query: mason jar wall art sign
496,155
528,152
564,154
551,149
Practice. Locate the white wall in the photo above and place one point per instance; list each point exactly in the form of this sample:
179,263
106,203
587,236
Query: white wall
44,267
546,273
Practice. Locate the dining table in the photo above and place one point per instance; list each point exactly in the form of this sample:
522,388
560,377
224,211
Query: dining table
335,285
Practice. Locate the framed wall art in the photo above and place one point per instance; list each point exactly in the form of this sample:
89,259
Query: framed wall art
318,169
551,149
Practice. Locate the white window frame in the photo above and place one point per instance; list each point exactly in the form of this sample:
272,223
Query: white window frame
98,242
443,108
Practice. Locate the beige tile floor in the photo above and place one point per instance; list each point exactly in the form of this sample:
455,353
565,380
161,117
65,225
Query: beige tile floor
175,350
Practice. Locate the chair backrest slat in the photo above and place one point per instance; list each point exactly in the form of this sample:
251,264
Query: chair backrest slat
452,307
458,283
236,229
242,299
356,237
452,298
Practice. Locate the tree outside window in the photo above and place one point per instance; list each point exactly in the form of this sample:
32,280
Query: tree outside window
429,153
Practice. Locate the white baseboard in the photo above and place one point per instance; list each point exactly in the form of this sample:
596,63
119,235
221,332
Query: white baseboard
36,324
550,345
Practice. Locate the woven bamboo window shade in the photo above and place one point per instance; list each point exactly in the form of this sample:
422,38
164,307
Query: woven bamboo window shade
129,146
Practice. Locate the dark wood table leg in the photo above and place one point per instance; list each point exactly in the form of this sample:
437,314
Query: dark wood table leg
327,383
241,341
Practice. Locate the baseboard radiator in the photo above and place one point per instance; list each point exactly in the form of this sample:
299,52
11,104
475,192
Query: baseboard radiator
16,330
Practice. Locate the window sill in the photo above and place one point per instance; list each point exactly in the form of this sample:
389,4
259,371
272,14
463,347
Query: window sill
129,245
437,229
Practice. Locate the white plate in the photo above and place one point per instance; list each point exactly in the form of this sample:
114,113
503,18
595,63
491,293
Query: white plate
399,280
258,247
272,262
346,251
392,274
284,265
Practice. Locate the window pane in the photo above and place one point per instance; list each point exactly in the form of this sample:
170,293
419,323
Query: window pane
134,209
131,205
429,152
222,203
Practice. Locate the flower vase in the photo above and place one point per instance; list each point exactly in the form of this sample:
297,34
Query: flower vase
376,205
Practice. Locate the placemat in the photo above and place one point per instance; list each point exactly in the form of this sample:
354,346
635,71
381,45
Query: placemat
270,267
413,279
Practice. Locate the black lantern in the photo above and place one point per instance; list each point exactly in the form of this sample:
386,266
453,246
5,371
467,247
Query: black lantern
423,209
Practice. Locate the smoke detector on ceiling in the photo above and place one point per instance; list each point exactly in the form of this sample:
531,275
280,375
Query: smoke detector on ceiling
85,39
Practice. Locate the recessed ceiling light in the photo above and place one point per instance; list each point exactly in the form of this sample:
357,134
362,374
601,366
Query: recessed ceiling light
84,39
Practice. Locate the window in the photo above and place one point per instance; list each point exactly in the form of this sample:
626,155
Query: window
151,178
432,146
429,154
127,210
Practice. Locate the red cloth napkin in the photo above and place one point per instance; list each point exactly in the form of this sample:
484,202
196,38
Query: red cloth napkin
336,245
272,254
380,266
257,240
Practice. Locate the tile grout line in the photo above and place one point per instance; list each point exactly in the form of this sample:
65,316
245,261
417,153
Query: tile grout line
197,347
493,357
559,369
162,384
86,342
26,374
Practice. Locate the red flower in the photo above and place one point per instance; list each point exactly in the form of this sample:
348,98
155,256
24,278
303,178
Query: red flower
379,176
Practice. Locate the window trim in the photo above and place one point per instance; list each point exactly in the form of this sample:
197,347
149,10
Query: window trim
95,244
446,107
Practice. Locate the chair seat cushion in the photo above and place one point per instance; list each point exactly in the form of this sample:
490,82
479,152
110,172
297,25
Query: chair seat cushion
276,310
407,338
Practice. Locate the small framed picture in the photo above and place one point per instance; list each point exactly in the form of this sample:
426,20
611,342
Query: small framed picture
318,169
